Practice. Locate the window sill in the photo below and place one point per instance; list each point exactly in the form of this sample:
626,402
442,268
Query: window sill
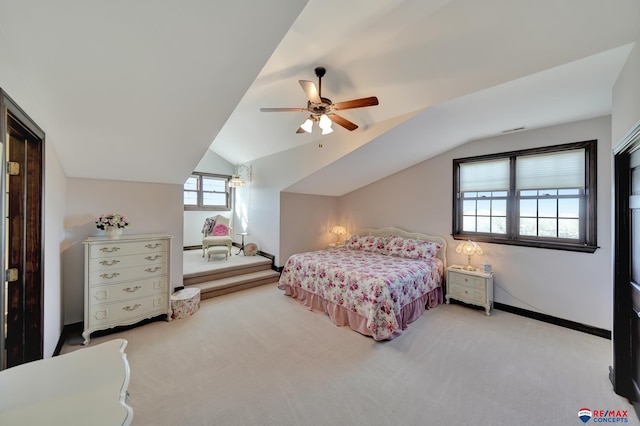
529,243
208,208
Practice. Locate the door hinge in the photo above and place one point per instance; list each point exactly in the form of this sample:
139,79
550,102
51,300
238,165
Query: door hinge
13,168
11,275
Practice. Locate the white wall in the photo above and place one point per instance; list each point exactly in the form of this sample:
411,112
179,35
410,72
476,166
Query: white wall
54,237
151,208
569,285
626,96
311,217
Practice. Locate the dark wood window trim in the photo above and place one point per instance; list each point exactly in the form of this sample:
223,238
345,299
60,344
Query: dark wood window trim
588,242
200,205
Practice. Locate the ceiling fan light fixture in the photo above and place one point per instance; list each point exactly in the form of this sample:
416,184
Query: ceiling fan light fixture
325,122
307,126
320,106
326,131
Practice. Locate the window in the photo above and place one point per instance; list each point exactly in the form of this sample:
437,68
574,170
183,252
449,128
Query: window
207,192
542,197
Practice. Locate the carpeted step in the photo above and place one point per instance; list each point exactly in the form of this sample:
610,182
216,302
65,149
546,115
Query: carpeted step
234,283
225,272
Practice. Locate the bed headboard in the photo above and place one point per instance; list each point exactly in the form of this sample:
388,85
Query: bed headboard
385,232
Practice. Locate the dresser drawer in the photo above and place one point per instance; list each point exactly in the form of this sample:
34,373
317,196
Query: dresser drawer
97,278
109,249
466,280
134,309
128,290
120,261
467,293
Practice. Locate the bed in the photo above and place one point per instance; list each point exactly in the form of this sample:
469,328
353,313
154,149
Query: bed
377,283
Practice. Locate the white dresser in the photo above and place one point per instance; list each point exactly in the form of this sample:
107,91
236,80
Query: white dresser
125,280
473,287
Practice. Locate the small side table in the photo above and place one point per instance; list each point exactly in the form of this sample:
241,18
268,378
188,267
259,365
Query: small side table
244,234
473,287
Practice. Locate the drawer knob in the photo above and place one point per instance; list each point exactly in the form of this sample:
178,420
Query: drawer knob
131,308
131,290
109,262
109,249
151,270
152,258
153,246
109,276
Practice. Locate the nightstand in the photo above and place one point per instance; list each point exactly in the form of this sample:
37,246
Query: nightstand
473,287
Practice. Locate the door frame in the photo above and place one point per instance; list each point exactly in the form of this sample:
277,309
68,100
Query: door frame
8,107
621,371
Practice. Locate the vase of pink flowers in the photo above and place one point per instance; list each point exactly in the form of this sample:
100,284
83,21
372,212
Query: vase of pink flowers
112,224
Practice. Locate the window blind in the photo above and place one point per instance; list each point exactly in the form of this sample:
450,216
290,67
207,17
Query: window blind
490,175
551,171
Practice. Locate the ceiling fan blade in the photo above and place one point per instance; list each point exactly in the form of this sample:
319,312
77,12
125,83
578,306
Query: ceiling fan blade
283,109
300,130
311,90
356,103
341,121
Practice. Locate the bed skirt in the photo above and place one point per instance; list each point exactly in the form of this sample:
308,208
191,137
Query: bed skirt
341,316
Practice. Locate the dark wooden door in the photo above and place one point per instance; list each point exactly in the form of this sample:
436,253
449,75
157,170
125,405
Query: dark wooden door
634,282
23,228
625,374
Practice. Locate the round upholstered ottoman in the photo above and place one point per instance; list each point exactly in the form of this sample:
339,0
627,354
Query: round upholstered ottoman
185,302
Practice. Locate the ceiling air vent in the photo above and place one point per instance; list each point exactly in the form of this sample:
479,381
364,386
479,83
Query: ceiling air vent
517,129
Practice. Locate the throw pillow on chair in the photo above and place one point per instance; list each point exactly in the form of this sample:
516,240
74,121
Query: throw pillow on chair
220,230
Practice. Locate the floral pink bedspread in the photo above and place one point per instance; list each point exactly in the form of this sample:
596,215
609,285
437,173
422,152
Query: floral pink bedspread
374,286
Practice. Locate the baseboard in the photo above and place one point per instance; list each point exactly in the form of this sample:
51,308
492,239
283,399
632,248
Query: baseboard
263,254
260,253
600,332
67,331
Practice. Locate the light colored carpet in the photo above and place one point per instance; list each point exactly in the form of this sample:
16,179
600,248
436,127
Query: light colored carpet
193,262
257,357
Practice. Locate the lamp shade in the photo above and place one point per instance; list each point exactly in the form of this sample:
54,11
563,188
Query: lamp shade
469,248
307,126
236,182
338,230
325,122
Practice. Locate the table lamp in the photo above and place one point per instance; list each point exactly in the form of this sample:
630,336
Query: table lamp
339,231
469,248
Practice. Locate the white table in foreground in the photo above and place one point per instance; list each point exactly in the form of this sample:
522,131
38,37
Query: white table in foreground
87,386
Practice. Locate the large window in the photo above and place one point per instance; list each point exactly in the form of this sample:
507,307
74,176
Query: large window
543,197
207,192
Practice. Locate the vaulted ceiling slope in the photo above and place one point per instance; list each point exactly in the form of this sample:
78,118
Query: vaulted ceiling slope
468,68
135,90
139,90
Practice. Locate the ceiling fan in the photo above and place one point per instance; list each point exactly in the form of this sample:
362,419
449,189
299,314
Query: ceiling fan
322,110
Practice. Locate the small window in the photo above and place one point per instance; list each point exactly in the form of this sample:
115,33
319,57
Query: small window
207,192
543,197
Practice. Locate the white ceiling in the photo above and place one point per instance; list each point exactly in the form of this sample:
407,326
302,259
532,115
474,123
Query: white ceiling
139,90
